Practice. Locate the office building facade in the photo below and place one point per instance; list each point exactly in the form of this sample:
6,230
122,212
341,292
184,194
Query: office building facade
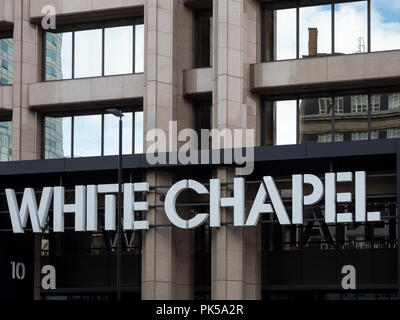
318,82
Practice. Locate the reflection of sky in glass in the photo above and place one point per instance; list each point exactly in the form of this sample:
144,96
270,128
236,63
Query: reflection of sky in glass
87,136
286,31
139,48
351,23
88,53
316,17
385,25
286,122
66,55
111,134
66,129
118,50
139,132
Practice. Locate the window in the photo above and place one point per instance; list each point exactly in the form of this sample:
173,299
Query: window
203,121
313,122
94,50
385,25
393,133
325,105
359,104
203,38
91,135
5,140
394,101
301,29
6,60
359,135
279,122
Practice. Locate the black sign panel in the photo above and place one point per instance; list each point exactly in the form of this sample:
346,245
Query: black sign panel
16,266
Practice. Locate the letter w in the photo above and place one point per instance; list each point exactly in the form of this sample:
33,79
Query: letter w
19,217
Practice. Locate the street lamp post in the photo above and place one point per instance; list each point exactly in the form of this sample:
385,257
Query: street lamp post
120,115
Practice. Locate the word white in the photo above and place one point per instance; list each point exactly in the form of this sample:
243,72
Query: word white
85,207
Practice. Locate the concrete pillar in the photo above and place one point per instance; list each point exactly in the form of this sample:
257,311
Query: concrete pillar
27,53
234,107
166,255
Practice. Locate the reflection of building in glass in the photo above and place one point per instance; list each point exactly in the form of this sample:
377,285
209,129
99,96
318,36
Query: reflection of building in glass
350,119
5,140
6,61
53,56
54,138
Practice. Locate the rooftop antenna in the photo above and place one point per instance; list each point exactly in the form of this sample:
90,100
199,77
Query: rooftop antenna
361,45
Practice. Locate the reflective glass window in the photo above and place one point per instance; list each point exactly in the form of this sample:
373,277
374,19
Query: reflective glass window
6,61
118,50
88,53
139,132
315,31
204,36
58,136
139,48
351,27
58,56
315,120
87,136
385,25
5,140
111,134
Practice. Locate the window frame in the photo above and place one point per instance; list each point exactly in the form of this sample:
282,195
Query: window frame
91,26
298,4
73,114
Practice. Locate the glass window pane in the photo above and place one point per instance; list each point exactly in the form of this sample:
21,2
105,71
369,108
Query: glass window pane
6,61
88,53
87,136
139,133
204,39
111,134
385,25
351,117
315,120
5,140
139,48
58,56
118,50
351,27
385,115
57,137
286,122
285,34
315,29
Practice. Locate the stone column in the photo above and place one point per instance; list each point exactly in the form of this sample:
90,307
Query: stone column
27,53
25,123
234,107
166,254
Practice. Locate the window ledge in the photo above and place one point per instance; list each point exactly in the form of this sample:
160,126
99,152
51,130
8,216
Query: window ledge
43,95
6,13
197,82
6,95
327,73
